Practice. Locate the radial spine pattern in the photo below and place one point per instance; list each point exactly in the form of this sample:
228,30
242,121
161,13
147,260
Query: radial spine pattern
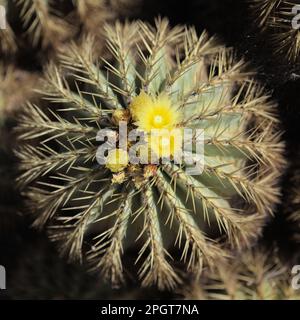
163,78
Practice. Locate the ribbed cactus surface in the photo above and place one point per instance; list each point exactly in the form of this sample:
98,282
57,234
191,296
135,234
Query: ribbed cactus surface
156,78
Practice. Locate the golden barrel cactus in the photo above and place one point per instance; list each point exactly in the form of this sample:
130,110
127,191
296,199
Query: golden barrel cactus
157,78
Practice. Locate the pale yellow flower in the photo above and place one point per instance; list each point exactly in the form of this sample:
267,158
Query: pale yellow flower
140,102
154,113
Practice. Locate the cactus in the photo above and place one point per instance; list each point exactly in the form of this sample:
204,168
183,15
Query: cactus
257,275
46,21
275,17
42,24
48,24
163,78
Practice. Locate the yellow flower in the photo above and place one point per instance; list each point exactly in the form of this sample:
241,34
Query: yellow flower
140,102
154,113
117,160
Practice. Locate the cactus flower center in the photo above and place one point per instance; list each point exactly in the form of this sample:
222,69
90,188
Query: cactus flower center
158,120
154,113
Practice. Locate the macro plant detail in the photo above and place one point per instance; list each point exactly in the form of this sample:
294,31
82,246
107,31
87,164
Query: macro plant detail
162,78
280,20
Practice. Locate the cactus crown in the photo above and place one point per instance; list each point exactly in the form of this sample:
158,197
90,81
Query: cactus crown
168,76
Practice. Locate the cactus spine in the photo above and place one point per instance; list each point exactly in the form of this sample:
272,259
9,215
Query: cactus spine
170,78
275,17
256,275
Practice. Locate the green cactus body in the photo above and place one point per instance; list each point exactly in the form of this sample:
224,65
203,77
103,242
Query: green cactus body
185,81
277,18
